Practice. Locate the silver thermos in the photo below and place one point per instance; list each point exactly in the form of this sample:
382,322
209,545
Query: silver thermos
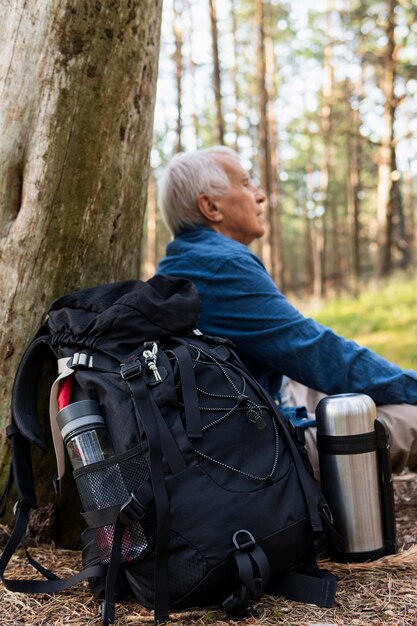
355,474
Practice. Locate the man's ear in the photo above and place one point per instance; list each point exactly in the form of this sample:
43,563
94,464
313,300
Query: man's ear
209,208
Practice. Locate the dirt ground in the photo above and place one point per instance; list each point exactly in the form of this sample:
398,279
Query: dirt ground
382,592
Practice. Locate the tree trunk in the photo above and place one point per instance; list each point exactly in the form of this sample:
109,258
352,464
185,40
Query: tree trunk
353,189
195,121
409,215
264,145
234,78
179,68
387,193
310,262
328,224
216,74
149,243
77,89
320,226
275,210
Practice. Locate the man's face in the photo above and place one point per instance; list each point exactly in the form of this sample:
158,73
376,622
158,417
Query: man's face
241,208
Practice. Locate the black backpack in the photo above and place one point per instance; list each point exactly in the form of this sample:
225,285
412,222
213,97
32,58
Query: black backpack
208,499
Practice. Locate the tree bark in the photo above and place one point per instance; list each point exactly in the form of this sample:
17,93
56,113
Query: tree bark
149,244
264,140
310,262
275,211
409,201
234,77
219,131
77,91
327,225
179,68
388,192
354,188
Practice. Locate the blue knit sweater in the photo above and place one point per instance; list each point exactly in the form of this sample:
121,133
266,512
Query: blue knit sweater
239,300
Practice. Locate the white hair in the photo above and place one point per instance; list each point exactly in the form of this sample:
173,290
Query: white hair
185,177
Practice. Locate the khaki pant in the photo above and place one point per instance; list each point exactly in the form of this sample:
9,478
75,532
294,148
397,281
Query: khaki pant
400,419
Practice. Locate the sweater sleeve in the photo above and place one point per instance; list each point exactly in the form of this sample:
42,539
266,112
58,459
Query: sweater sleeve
240,301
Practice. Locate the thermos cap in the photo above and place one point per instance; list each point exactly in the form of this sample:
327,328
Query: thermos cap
346,414
83,414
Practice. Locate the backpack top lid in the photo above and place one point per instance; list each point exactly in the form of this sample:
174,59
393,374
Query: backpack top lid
161,307
118,317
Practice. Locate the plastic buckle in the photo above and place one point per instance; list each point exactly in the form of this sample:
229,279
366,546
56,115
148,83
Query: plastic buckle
80,359
233,604
237,606
130,369
132,511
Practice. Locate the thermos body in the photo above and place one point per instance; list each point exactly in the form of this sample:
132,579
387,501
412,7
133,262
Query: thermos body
352,443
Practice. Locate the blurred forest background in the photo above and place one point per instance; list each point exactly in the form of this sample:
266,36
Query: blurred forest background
320,101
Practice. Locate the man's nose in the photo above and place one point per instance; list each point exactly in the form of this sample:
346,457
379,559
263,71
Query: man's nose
260,197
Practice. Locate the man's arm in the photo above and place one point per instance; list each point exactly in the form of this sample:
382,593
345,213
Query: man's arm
240,301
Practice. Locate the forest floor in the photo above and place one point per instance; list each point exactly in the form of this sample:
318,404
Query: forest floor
382,592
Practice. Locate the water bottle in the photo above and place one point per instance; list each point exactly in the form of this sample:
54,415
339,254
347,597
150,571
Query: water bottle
355,474
84,433
87,441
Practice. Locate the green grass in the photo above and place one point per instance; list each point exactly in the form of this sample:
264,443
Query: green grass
383,319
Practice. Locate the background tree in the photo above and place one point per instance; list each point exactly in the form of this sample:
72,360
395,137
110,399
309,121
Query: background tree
77,90
388,195
308,102
264,141
179,66
216,73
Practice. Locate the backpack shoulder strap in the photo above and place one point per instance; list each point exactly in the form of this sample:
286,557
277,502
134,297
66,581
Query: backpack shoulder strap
22,432
24,391
24,428
53,584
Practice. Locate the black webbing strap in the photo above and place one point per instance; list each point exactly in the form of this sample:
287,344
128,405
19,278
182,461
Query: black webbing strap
127,514
18,532
167,443
309,494
253,569
22,475
189,392
349,444
108,613
40,568
384,462
53,584
150,417
317,586
96,518
130,511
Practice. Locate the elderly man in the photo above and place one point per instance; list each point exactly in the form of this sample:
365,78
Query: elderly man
214,211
